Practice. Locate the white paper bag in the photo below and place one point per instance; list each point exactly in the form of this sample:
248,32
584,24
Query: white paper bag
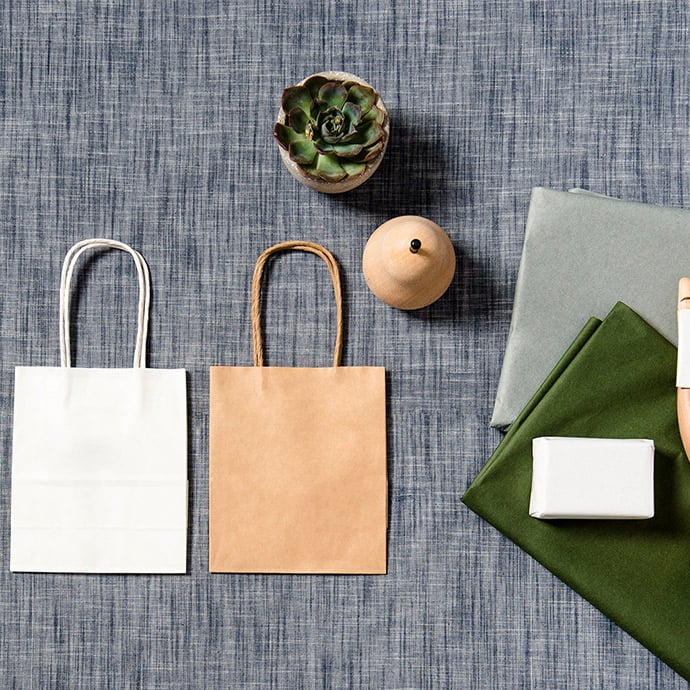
99,466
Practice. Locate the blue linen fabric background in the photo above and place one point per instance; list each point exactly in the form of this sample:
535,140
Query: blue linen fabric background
151,122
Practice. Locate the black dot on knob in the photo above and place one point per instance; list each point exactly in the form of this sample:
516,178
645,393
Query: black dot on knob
415,246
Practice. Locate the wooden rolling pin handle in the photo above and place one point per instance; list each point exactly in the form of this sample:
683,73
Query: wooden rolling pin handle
684,393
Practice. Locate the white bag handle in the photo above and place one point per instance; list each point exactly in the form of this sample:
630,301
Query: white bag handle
68,266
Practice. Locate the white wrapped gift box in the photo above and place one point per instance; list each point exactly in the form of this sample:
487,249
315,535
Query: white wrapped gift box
592,478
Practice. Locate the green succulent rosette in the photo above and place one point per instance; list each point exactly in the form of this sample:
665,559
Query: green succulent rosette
332,128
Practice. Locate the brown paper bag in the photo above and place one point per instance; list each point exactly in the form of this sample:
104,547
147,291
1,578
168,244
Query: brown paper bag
298,479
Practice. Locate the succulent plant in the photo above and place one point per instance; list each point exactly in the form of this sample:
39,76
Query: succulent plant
332,128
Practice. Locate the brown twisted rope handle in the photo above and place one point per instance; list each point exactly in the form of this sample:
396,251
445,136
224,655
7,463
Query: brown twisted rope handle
256,294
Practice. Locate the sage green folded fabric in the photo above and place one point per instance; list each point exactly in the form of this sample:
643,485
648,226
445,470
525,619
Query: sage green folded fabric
617,380
582,253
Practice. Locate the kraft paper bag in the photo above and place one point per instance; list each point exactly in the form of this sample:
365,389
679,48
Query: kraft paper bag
99,464
617,380
298,479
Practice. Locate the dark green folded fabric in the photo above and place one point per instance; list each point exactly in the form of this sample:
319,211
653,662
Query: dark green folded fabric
617,380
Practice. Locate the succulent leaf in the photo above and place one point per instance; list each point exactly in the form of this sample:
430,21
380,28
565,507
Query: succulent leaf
285,136
296,97
372,132
375,115
302,152
369,153
333,93
347,150
369,133
323,146
363,96
310,171
329,168
353,113
314,84
298,120
353,169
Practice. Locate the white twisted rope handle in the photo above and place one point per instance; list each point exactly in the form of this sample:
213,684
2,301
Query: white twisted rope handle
68,267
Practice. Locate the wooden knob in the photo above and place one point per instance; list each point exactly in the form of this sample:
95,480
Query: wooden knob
408,262
684,293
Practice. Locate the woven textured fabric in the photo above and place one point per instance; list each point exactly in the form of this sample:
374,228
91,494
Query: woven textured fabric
151,122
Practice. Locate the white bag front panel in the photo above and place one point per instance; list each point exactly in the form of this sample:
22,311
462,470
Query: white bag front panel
99,466
99,470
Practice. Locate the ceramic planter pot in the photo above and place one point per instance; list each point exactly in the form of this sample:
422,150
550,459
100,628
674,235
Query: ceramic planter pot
348,183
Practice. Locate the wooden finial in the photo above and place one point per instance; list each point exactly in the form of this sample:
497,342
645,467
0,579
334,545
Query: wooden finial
401,275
